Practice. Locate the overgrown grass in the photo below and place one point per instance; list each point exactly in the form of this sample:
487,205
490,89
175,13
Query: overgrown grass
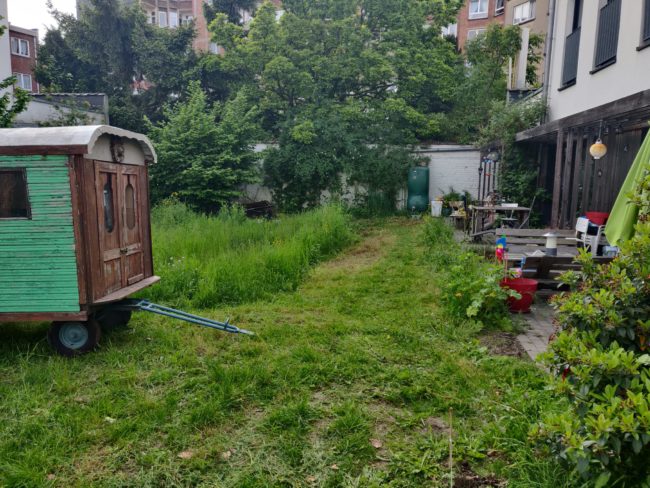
206,261
348,383
469,285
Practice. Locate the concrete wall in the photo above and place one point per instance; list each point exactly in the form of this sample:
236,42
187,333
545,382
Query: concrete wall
39,111
629,75
452,166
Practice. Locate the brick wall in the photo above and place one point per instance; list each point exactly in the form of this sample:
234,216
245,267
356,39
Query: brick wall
24,64
465,24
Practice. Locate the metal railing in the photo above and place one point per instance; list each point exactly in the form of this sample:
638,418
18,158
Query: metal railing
609,22
571,51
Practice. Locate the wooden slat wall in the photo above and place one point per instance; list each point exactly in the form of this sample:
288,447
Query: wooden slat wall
38,266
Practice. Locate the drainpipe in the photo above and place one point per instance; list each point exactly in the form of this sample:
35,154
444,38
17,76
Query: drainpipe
548,48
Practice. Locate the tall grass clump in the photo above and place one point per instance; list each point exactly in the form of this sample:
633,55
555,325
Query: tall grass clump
209,260
468,283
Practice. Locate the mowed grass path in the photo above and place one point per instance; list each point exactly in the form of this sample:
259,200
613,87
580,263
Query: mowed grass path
349,382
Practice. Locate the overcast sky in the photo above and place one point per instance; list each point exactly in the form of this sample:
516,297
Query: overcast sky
33,14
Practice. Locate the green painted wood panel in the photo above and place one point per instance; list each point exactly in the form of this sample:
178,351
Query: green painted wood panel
38,265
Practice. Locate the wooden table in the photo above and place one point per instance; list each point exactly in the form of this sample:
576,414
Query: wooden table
482,214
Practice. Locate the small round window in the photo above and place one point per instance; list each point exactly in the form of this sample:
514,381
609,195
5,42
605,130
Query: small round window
129,200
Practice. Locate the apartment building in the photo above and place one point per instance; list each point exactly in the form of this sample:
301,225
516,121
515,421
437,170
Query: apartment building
532,17
598,88
23,45
473,19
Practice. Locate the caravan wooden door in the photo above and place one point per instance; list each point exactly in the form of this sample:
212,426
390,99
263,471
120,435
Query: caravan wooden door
118,192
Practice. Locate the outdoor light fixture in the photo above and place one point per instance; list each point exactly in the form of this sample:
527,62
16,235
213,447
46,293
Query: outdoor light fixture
598,150
551,244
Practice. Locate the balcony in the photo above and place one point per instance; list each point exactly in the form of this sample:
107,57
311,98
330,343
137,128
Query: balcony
609,22
571,50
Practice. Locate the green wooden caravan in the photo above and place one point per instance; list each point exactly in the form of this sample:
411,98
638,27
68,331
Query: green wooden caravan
74,228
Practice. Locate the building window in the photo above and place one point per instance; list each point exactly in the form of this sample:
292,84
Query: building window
162,19
474,33
173,19
23,81
572,46
609,21
19,47
214,48
152,18
500,7
478,9
524,12
450,31
14,199
645,36
187,20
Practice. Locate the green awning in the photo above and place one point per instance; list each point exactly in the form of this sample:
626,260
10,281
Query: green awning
624,214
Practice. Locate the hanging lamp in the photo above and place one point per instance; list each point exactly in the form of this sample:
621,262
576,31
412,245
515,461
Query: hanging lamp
598,149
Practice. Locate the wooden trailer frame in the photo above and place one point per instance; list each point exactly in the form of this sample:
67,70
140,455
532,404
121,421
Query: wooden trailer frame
110,224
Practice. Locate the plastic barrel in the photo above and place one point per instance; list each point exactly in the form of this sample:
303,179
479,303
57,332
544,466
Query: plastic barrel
436,208
526,288
418,188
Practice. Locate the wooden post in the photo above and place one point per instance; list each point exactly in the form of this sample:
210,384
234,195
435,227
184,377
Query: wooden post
557,182
566,180
577,166
587,190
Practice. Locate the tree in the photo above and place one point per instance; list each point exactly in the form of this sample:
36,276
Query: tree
11,104
204,151
485,79
108,49
343,87
232,8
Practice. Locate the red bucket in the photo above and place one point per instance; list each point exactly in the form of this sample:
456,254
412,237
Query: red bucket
598,218
526,288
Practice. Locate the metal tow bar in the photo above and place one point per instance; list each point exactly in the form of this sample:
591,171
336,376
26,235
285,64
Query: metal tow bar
146,306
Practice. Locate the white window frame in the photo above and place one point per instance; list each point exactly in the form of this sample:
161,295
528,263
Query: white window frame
173,19
187,20
21,78
530,4
499,10
16,47
152,18
479,14
474,33
162,18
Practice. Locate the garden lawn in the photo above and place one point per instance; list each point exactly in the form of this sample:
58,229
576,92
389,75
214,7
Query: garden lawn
349,382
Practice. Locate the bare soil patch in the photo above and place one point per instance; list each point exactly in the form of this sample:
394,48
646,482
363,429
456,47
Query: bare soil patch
503,344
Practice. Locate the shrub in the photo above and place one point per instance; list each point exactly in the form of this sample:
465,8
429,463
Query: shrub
602,365
205,261
469,285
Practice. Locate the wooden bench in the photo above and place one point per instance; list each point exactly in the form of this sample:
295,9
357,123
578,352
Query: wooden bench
547,269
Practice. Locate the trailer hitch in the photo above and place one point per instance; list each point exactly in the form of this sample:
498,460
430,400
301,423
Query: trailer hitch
135,305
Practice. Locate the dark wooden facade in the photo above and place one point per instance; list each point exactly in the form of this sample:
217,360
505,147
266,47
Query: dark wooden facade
577,182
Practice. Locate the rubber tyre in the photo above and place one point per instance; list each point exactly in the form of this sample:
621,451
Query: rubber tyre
113,319
72,339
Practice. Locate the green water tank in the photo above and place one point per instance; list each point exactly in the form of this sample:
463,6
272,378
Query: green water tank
418,186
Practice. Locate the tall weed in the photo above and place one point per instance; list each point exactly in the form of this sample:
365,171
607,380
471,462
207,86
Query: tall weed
469,285
205,261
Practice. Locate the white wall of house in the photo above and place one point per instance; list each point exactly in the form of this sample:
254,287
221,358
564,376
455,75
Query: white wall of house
452,166
5,50
629,75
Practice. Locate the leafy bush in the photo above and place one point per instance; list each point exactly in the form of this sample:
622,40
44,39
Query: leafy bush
469,285
205,261
602,366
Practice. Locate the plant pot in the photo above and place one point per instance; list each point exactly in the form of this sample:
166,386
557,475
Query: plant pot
526,288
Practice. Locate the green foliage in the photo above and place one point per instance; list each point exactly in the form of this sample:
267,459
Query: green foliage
106,49
602,366
232,8
484,84
204,152
205,261
469,285
343,87
69,113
